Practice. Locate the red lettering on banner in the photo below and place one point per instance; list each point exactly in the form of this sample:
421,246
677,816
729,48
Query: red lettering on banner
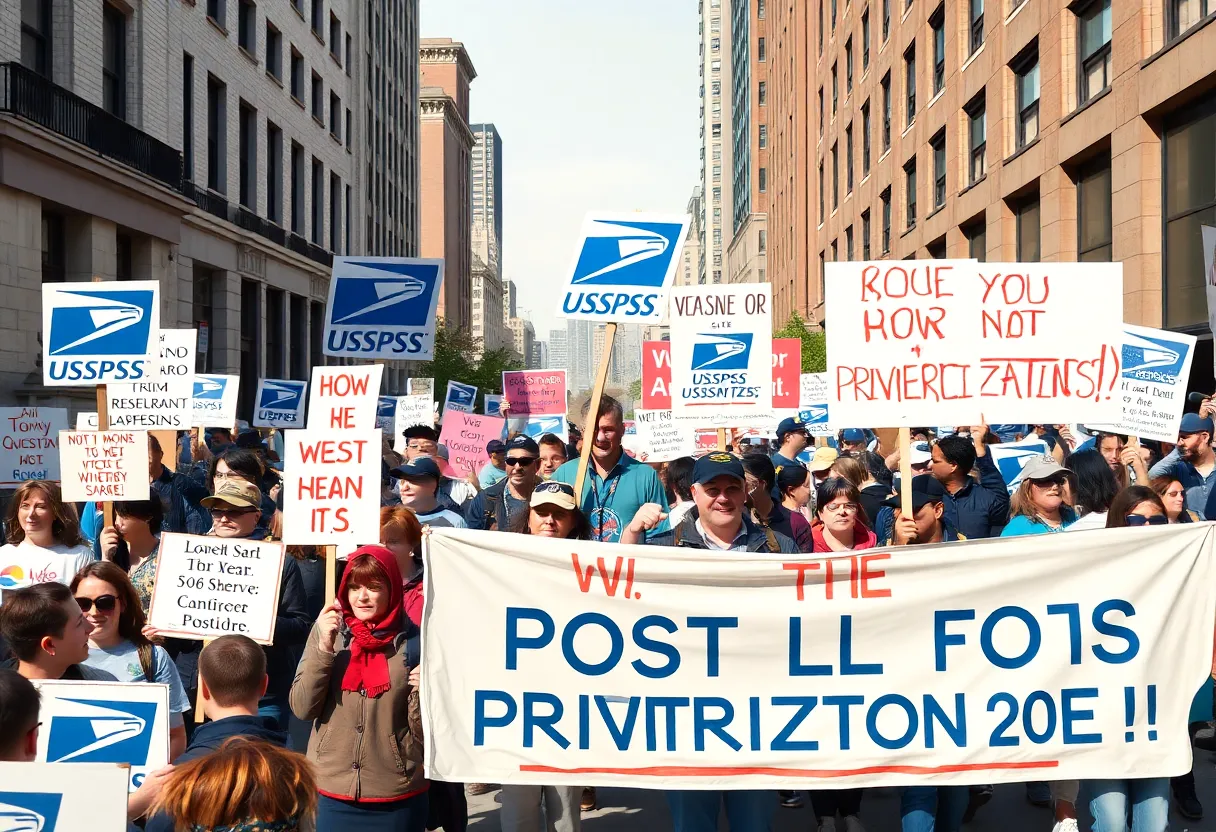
584,576
333,451
344,385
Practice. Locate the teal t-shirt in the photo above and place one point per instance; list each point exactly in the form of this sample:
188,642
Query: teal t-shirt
1023,525
611,503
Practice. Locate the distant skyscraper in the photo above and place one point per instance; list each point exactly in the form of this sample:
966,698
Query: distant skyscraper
716,136
508,300
559,355
692,258
487,179
580,342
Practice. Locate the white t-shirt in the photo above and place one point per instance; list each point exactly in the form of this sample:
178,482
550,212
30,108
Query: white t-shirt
26,563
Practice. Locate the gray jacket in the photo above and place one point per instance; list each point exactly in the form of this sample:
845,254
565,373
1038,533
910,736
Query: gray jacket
756,538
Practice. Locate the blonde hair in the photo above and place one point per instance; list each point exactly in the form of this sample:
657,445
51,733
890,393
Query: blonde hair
850,469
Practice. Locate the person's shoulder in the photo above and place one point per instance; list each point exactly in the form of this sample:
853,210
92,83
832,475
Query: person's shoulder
566,472
96,674
1019,525
455,519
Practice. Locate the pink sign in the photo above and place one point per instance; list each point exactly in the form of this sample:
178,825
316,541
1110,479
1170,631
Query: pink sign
466,436
535,392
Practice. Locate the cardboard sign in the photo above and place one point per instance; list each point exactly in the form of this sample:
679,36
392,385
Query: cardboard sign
386,414
104,722
39,798
163,403
813,404
460,397
104,465
331,486
535,392
662,439
382,307
656,375
721,354
86,420
787,371
925,342
1156,370
411,410
420,387
280,403
623,266
492,404
466,436
211,586
1011,457
29,443
344,398
538,426
99,333
215,401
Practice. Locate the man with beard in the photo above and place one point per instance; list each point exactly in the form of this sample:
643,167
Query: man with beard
1192,462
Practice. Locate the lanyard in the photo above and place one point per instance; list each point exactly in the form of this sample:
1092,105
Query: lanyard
601,505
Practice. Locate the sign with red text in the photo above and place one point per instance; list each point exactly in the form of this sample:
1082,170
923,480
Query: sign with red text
535,392
344,398
331,486
656,375
29,443
208,586
787,369
721,354
466,436
940,341
103,465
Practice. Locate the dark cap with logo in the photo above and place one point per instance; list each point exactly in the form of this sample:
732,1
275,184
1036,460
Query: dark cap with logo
717,464
423,466
925,489
495,446
522,442
1194,423
789,425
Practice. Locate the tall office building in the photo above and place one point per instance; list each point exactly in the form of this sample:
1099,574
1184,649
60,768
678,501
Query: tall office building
488,322
508,299
559,355
487,179
523,335
580,346
692,264
715,136
747,250
540,355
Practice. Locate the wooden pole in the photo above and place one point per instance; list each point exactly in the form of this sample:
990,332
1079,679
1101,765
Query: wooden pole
199,716
330,553
593,407
905,472
722,439
103,424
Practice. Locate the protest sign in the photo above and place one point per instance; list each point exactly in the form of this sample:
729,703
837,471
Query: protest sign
721,354
420,387
466,436
207,587
662,439
99,333
656,375
386,414
813,406
280,403
29,443
344,398
215,400
493,404
1156,369
882,668
331,486
787,371
86,420
460,397
538,426
103,465
382,307
1011,457
105,722
411,410
925,342
37,797
623,265
535,392
164,402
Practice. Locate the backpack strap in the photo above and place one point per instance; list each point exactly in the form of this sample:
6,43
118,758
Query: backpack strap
491,519
773,546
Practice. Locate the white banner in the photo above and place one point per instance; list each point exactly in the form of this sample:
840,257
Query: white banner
215,401
344,398
1156,370
331,486
38,797
411,410
279,403
665,668
104,465
662,439
207,587
29,443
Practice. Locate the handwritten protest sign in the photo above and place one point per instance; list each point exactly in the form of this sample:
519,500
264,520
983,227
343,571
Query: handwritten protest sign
926,342
39,798
210,586
215,400
420,387
412,410
466,436
721,354
104,465
1156,369
331,482
535,392
660,438
867,669
29,443
1011,457
164,402
813,406
656,375
344,398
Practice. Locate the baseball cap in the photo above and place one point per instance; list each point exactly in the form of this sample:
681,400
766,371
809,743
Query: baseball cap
250,439
922,454
852,435
925,489
789,425
495,446
717,464
522,442
560,494
423,466
1194,423
234,492
1043,467
823,459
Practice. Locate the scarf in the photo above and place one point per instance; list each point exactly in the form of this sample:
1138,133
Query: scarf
369,640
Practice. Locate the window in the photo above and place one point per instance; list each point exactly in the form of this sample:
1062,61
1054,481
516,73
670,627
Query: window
335,210
246,25
1189,171
1185,14
1094,228
835,178
715,44
822,212
886,112
1026,81
865,235
760,9
1093,32
274,173
760,55
217,10
217,132
717,130
886,20
297,75
835,251
297,189
976,10
347,64
1028,230
762,241
36,35
938,24
763,136
910,83
938,143
835,90
977,241
335,116
763,180
910,191
848,160
821,118
715,66
865,139
762,93
247,163
318,201
821,27
318,18
865,40
274,52
885,198
54,244
114,61
848,243
346,222
848,66
348,129
188,116
833,2
318,98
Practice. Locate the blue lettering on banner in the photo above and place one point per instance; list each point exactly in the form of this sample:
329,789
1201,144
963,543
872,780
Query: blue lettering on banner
382,307
29,811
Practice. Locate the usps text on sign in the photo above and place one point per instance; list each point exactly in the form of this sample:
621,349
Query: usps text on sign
215,400
104,465
382,307
98,333
35,797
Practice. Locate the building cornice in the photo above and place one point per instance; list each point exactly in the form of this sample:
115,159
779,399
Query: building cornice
441,107
443,51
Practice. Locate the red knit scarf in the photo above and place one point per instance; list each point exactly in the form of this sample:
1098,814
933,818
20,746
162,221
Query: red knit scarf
371,641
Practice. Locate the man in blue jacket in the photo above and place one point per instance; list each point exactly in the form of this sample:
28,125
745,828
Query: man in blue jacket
977,508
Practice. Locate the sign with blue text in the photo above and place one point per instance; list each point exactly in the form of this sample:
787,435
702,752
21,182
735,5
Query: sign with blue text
382,307
96,333
215,401
1156,369
623,267
460,397
280,403
37,797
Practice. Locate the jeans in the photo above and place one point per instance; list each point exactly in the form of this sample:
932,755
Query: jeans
522,805
1149,799
746,811
933,808
407,815
828,803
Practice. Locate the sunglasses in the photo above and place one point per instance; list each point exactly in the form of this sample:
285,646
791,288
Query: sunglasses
230,513
104,603
1141,520
1050,481
522,461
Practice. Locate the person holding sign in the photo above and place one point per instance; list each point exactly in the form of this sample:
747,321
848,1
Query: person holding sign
355,686
44,539
495,470
132,543
978,508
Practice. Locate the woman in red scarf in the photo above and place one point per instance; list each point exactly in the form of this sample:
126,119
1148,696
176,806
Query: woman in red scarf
354,684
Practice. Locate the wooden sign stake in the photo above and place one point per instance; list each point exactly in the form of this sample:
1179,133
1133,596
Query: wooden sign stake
330,553
103,424
593,408
905,472
721,439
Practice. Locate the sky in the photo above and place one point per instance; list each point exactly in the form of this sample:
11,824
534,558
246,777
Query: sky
597,106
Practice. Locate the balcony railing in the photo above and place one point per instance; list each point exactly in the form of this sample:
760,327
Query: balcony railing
240,216
25,93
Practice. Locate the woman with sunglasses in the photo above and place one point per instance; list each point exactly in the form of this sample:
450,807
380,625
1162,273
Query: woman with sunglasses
133,541
118,645
1038,506
1136,505
1173,497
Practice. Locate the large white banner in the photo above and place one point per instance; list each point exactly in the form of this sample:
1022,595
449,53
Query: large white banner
1057,657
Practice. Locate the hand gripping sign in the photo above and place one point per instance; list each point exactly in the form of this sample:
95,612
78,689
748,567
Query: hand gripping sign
97,333
382,307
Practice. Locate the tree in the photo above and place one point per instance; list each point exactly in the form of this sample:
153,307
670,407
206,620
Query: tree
456,360
814,344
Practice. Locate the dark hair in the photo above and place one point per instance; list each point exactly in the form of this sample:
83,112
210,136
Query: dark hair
243,462
608,405
234,668
19,704
1127,500
365,570
834,487
761,467
679,479
66,526
420,432
154,444
33,613
875,465
132,620
151,511
958,451
1095,483
553,439
791,477
581,530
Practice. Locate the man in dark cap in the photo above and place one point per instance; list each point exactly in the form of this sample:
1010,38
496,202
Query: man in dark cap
496,468
419,492
498,506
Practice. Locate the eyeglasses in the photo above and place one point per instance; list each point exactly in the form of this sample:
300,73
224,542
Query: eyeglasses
1141,520
104,603
521,461
840,508
230,513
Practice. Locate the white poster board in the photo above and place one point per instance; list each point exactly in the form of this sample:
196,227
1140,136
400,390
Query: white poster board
104,465
215,399
1156,369
331,486
420,387
86,420
29,443
162,403
99,333
344,398
38,797
662,439
412,410
279,403
382,308
813,409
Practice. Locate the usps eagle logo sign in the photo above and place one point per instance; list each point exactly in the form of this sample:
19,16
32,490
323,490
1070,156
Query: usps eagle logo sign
209,389
460,397
1153,358
383,307
717,351
99,731
280,403
623,267
96,333
29,811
